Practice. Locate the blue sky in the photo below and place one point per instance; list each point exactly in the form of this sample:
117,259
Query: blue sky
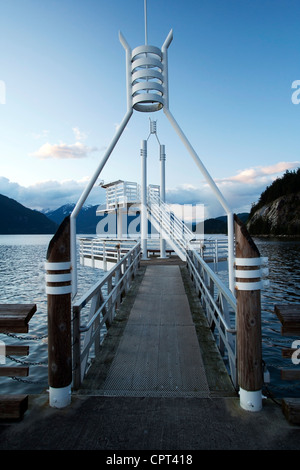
63,92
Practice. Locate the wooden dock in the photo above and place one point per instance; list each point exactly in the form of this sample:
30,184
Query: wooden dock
14,318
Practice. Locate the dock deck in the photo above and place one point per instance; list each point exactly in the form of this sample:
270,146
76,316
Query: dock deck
187,402
159,354
154,347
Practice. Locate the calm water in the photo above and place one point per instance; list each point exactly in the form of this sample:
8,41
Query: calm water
22,280
284,276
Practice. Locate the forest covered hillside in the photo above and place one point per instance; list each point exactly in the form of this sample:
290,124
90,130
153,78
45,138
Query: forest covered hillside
277,211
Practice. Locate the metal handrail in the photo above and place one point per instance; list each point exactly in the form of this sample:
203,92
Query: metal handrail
215,297
165,211
103,305
174,228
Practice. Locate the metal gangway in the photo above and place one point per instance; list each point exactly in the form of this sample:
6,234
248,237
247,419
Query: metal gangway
124,255
170,227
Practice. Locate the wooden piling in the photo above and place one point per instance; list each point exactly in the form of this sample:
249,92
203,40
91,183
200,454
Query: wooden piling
58,289
248,295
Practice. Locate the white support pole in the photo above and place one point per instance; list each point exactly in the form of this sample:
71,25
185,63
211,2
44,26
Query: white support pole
119,222
164,51
216,191
145,15
128,69
162,194
230,232
144,219
85,194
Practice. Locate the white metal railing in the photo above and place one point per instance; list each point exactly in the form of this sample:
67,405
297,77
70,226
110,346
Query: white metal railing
97,307
121,193
94,250
219,305
214,249
164,220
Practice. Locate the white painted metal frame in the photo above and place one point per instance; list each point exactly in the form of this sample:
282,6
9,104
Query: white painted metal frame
144,220
147,90
173,229
104,297
219,304
85,194
122,193
108,251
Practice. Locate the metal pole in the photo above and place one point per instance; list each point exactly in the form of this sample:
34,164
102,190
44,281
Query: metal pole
162,194
145,13
144,221
85,194
119,222
216,191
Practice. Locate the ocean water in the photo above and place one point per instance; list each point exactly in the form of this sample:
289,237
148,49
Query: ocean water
284,276
22,280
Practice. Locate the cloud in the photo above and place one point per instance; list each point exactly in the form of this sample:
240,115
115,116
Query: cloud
50,194
79,135
250,175
63,151
240,190
40,135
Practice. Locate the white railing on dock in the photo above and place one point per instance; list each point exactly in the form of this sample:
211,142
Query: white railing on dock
101,252
122,257
104,298
165,221
122,193
219,305
214,249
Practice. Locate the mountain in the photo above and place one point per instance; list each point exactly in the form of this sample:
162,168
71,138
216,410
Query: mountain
277,212
280,217
18,219
86,221
219,224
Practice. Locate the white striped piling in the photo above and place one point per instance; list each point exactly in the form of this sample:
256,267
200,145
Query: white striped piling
58,289
248,296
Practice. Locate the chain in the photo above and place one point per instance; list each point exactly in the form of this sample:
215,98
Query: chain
26,338
27,363
281,341
18,379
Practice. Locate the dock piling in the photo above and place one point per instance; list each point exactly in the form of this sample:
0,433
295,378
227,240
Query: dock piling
58,290
248,297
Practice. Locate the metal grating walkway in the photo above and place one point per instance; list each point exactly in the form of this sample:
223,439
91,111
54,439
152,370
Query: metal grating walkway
159,353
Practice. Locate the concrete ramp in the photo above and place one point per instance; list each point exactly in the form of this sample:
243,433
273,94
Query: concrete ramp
159,353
